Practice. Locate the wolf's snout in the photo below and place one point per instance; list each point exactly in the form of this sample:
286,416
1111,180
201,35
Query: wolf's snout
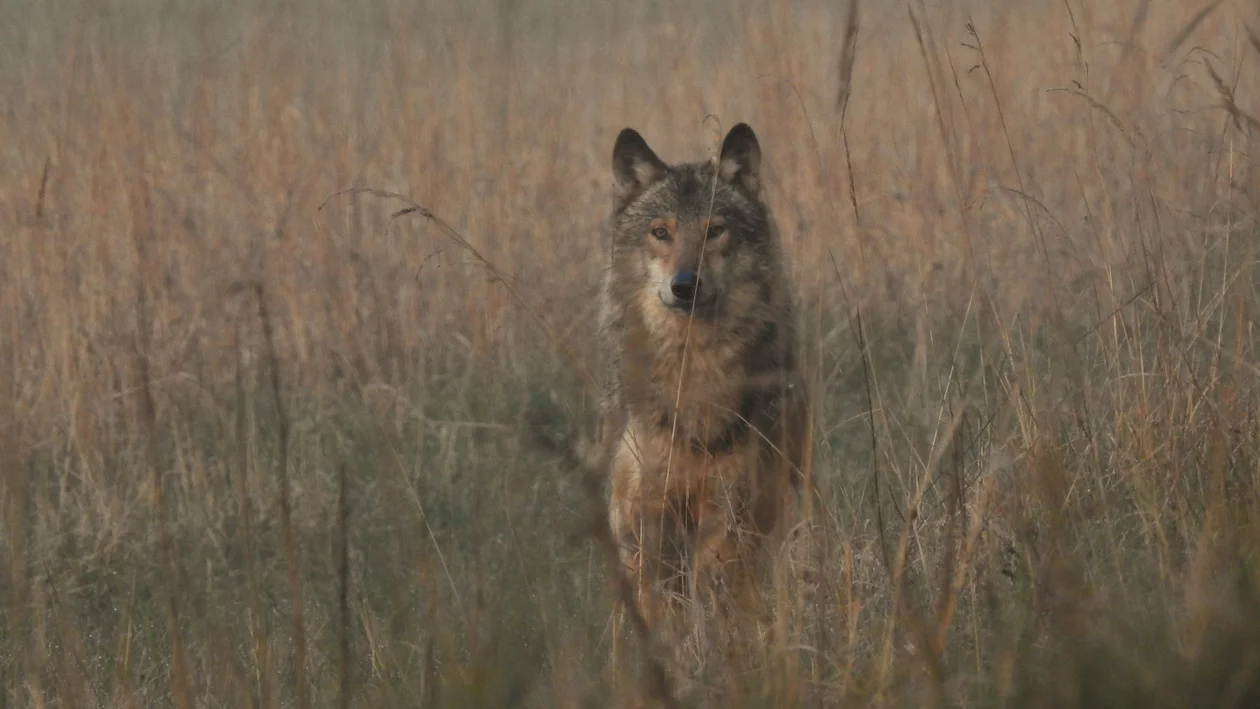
685,286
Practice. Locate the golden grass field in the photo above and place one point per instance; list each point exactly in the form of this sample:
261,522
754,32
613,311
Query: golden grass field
261,443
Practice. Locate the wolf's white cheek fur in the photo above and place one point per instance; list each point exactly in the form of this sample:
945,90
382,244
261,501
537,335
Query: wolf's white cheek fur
658,279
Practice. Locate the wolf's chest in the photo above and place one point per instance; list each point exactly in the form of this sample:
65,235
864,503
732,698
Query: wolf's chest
667,456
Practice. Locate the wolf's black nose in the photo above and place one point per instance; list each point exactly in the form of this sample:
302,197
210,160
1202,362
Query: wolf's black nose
685,286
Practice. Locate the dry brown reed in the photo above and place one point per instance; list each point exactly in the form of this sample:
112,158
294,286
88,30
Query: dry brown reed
250,411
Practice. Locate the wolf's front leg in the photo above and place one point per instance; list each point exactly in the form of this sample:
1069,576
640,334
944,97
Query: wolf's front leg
636,531
728,561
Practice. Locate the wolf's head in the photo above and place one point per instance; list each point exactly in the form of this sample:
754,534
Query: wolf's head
694,238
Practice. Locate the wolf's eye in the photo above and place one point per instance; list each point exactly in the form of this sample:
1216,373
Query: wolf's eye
660,233
714,232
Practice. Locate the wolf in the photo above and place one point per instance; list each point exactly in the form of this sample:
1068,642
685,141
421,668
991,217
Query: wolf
704,415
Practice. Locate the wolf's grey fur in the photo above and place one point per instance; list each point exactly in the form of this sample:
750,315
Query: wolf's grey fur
704,416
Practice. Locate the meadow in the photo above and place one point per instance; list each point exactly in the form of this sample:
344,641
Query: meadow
281,287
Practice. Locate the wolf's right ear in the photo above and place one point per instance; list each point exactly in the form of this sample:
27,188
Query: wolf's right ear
740,158
635,166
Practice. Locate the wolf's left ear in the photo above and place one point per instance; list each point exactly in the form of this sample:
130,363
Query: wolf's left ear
635,166
740,160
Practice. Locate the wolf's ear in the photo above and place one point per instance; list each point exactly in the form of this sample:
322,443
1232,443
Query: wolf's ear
635,166
740,160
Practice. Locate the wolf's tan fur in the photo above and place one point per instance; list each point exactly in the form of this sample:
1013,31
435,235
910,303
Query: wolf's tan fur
705,415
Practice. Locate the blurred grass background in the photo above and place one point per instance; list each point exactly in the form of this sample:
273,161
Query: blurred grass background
260,444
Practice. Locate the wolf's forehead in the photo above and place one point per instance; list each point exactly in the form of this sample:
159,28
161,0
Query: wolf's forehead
692,191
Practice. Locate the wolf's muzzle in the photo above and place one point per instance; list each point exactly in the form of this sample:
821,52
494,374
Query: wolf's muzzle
685,286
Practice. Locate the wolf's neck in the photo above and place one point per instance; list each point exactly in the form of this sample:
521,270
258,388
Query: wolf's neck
701,369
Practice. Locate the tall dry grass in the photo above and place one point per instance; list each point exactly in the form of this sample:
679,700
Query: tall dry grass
262,441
